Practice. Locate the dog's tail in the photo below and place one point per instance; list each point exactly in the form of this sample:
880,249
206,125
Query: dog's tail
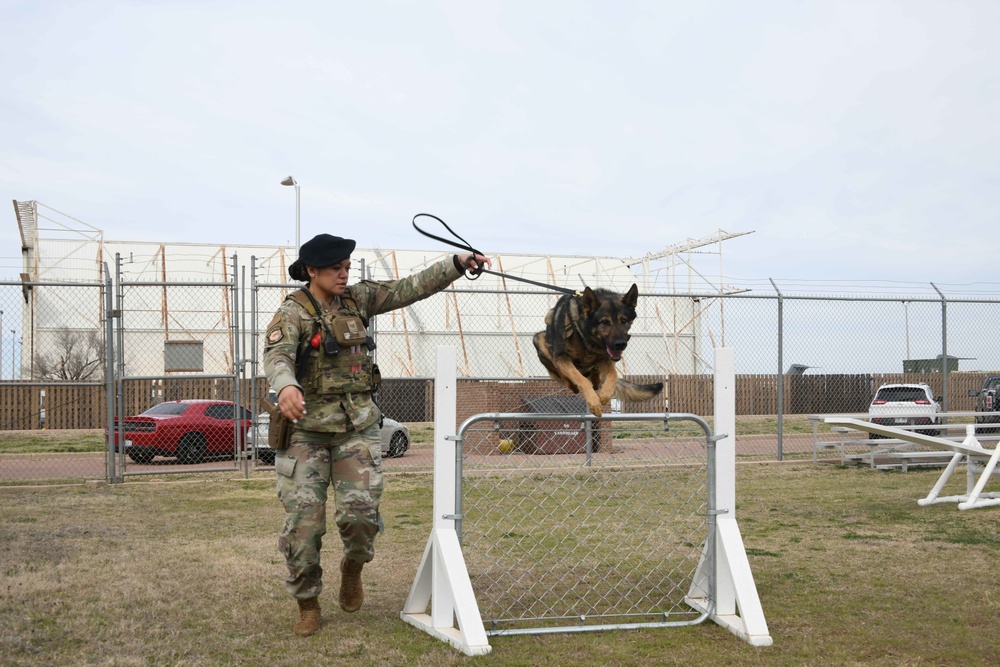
626,391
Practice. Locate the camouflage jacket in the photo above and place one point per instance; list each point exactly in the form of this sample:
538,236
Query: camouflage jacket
342,412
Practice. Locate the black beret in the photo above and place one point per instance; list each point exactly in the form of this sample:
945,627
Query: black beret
325,250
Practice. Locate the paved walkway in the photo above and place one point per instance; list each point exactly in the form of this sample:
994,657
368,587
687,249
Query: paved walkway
18,469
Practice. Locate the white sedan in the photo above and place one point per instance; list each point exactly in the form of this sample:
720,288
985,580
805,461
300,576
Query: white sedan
395,439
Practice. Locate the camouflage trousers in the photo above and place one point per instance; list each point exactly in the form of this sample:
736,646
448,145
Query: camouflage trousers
352,463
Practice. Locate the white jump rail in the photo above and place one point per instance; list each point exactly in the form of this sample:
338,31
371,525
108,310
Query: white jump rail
979,460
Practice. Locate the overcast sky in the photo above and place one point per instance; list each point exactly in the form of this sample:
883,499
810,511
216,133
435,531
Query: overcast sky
857,140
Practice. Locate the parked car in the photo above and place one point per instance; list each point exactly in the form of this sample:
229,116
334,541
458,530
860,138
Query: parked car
395,439
189,430
987,401
905,404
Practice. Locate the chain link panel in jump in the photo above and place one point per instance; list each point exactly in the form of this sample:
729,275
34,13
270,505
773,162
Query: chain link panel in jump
569,525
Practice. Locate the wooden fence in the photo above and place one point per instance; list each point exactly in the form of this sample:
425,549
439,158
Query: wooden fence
813,394
62,406
56,406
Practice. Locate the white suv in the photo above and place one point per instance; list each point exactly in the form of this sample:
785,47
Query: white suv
903,404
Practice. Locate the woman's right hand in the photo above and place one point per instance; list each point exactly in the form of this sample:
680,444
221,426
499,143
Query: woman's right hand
291,403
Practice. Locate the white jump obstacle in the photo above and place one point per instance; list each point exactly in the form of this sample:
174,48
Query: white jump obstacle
442,579
979,461
442,601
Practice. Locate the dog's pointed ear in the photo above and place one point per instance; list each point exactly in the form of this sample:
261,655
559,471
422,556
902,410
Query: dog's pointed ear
590,301
632,296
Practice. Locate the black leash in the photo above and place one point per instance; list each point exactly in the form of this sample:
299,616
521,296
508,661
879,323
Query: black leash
475,273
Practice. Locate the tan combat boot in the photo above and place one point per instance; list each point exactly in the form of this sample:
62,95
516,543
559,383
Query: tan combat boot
308,622
351,592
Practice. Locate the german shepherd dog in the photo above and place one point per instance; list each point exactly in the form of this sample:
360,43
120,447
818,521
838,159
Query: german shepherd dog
584,336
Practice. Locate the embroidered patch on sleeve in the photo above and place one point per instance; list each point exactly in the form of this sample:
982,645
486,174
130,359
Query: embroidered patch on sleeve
274,334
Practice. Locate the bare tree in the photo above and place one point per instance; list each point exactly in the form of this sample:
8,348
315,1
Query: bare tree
79,357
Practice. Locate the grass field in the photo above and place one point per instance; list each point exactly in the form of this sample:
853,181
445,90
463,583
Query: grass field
849,569
44,441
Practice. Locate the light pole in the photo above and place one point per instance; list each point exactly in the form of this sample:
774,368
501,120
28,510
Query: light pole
12,351
291,181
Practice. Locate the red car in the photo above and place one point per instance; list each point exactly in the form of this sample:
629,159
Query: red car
188,430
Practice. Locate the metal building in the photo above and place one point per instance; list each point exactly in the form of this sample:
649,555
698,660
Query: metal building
169,301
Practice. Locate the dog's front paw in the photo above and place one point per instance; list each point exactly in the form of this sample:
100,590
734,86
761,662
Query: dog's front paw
595,408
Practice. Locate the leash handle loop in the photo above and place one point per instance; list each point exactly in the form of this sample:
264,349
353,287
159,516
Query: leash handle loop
464,245
478,271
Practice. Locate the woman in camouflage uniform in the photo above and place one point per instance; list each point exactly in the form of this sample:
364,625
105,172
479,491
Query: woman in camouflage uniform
317,359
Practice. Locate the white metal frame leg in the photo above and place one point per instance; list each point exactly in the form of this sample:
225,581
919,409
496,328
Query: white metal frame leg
974,496
977,498
932,497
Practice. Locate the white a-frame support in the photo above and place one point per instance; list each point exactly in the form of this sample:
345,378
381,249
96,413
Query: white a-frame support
442,580
737,605
978,461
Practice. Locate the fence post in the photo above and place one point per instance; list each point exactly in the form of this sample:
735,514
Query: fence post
119,346
944,351
109,376
781,365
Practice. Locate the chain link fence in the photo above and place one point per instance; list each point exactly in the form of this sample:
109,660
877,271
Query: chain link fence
179,394
796,355
572,524
53,393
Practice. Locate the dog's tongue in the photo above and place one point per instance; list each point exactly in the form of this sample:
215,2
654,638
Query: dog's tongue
614,355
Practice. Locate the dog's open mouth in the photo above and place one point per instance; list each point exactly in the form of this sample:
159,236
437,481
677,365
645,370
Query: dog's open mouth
615,355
